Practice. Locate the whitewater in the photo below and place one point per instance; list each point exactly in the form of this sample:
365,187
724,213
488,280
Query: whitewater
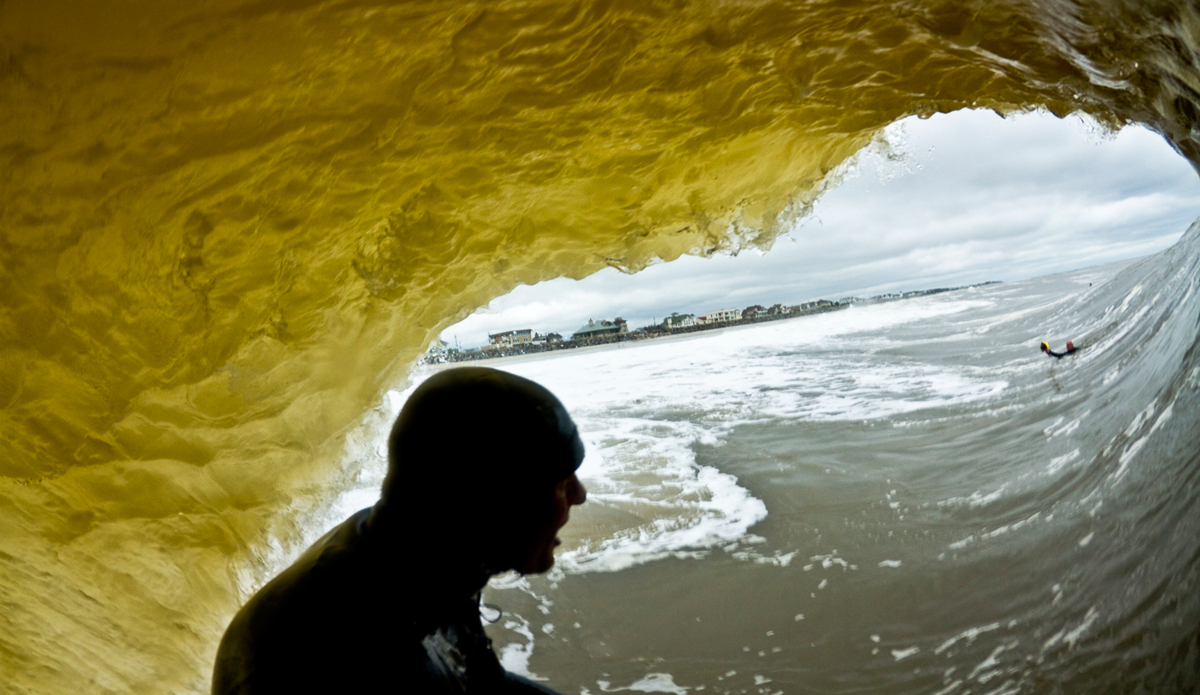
904,497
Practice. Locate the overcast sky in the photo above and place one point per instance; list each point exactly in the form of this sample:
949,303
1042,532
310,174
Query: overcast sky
973,197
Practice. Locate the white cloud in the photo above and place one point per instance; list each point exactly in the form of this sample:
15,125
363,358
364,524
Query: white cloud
973,198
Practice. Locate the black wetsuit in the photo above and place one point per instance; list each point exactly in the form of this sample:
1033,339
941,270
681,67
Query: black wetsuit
350,616
1060,355
388,601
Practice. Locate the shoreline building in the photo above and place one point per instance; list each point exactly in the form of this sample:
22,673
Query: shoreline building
437,351
753,311
678,320
598,329
722,315
817,305
523,336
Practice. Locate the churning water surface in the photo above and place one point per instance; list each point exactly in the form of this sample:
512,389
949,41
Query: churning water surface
896,498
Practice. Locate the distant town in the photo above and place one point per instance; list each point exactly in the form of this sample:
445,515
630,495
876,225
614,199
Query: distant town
524,341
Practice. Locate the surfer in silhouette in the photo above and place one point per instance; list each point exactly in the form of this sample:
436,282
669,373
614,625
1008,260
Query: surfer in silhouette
481,476
1069,351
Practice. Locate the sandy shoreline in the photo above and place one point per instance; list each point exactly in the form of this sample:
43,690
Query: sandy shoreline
624,345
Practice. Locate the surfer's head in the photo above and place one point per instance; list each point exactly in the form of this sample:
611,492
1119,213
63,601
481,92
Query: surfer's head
1045,347
480,457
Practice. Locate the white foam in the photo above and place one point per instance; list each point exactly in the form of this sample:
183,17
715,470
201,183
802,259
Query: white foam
970,634
981,672
650,683
977,498
1163,417
643,409
1058,462
515,657
1071,637
1056,430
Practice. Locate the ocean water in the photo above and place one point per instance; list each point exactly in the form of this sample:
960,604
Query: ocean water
895,498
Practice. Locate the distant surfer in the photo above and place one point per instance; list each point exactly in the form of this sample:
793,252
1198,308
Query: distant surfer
389,600
1070,350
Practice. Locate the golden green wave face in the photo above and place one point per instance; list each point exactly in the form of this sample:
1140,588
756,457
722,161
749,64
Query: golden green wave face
225,227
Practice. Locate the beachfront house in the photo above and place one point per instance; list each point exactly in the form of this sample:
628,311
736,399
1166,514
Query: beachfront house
436,353
523,336
678,320
599,329
818,305
724,315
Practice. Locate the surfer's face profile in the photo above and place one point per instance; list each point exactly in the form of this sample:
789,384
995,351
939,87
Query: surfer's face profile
548,511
